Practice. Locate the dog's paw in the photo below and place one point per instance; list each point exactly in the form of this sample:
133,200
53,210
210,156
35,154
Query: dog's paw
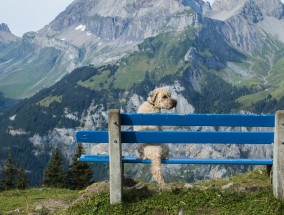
143,157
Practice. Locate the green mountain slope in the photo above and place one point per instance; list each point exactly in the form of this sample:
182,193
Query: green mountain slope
29,65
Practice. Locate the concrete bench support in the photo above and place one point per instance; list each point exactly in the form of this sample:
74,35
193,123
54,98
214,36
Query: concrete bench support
278,156
115,161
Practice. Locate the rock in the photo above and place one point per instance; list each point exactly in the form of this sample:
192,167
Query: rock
140,186
16,211
91,190
187,185
227,186
39,207
50,205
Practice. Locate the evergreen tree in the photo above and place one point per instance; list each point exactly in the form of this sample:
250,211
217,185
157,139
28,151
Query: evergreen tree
22,180
54,174
70,180
80,173
9,173
1,185
2,181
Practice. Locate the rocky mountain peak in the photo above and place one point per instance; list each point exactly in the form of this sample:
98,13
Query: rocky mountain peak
80,10
115,27
6,37
273,8
251,12
87,12
4,27
224,9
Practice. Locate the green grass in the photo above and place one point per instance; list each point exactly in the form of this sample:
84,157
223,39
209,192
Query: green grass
192,201
250,193
247,100
26,199
160,56
98,81
50,99
278,72
242,181
134,71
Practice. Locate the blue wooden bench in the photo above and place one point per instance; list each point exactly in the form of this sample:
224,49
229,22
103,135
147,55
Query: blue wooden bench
114,136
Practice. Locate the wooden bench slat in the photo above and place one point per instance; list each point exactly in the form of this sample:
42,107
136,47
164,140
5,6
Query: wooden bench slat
131,159
161,137
242,120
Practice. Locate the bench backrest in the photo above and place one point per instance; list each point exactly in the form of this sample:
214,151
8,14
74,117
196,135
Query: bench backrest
228,120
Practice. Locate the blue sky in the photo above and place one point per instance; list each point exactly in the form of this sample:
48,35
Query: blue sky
31,15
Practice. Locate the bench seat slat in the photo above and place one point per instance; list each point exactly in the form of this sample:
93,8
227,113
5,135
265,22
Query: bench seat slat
179,137
131,159
242,120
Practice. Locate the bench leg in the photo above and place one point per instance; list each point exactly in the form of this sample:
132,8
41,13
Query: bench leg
278,156
115,156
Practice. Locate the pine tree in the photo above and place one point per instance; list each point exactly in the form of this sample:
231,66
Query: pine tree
22,180
2,181
1,185
80,173
9,173
54,174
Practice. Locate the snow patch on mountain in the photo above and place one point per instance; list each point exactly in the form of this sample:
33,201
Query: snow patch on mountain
80,27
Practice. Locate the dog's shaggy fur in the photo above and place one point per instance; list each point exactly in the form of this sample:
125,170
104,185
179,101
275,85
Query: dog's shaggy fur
158,99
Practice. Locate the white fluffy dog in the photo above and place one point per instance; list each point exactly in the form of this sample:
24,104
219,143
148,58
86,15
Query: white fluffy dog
158,99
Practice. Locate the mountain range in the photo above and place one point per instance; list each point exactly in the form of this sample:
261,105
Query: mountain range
98,55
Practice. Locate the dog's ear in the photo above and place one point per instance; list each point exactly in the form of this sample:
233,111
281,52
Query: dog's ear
152,96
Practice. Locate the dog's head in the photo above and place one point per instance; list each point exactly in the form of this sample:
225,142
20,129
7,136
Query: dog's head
161,98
